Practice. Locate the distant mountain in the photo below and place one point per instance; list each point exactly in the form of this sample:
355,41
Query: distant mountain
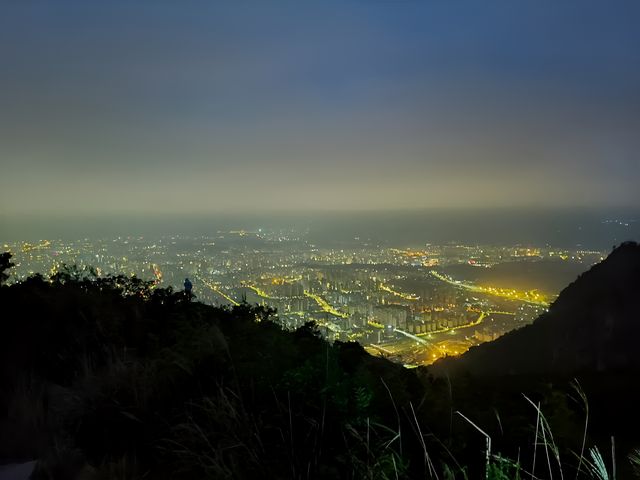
593,326
547,276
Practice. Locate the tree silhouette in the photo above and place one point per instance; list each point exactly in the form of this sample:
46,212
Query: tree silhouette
5,264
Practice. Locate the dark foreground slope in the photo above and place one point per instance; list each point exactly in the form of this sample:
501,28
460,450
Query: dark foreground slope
119,380
593,326
109,378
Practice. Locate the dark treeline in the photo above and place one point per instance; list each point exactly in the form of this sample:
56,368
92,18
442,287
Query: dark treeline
112,378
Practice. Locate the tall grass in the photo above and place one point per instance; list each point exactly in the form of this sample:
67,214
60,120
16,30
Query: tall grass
634,460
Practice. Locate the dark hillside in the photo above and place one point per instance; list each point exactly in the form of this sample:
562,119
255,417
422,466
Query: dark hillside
593,326
112,373
110,378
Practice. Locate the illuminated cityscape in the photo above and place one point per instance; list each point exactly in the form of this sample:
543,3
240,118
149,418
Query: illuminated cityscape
404,304
363,239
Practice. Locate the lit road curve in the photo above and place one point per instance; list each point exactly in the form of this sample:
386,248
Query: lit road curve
404,296
475,323
532,297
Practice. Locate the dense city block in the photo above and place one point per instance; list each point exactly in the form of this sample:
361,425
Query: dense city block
412,305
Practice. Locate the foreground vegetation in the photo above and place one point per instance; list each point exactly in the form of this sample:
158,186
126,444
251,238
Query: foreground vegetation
111,378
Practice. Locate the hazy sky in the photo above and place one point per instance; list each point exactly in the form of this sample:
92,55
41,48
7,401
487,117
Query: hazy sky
184,106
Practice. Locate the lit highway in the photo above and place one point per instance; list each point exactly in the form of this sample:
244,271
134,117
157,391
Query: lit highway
404,296
532,297
215,289
324,305
259,291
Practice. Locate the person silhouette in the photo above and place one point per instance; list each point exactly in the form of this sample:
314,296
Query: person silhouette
188,286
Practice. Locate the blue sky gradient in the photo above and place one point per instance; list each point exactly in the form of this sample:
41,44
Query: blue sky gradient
187,106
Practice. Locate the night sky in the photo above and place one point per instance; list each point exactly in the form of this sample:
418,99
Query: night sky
181,106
